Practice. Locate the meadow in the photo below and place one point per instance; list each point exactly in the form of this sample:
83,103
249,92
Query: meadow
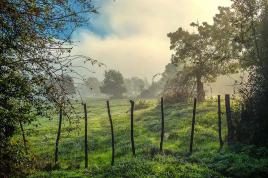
207,160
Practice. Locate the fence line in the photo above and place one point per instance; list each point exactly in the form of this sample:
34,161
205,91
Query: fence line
162,131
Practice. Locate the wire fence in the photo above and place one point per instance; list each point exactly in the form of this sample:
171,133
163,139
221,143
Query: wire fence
174,124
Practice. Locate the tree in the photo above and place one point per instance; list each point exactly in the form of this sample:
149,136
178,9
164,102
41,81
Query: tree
201,55
113,84
35,48
249,22
177,85
158,87
93,85
170,71
63,83
134,86
242,36
152,91
68,84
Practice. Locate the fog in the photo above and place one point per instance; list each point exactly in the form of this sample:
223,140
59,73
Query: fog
131,36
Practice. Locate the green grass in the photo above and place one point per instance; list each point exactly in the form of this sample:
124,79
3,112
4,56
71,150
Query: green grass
206,160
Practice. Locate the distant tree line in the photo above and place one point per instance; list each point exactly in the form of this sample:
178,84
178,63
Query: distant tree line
114,85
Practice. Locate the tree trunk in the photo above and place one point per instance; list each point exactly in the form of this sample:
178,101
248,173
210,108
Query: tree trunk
200,88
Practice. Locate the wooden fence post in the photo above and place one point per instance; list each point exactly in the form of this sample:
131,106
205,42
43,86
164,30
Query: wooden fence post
112,131
23,137
58,137
193,124
86,142
162,125
230,128
219,121
132,127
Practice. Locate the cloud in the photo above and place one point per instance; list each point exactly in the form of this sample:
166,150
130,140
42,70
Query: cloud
131,35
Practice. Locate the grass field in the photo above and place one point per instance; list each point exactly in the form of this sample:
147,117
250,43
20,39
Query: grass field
206,160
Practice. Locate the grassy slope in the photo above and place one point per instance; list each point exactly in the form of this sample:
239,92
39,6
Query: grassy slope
206,160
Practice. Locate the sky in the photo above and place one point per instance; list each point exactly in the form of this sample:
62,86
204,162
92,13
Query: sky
131,35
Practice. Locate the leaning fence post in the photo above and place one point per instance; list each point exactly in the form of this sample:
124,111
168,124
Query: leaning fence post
58,136
219,121
162,125
132,127
193,124
86,142
230,128
112,130
23,137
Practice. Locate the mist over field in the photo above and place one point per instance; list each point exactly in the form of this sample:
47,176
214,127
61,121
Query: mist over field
138,47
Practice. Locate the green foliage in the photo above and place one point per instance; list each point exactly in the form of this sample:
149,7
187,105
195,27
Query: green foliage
35,50
113,84
237,40
245,26
253,123
204,54
13,159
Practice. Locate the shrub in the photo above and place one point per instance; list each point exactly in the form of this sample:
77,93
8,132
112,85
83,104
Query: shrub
141,104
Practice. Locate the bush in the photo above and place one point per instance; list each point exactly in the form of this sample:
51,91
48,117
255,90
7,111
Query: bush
141,104
13,160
